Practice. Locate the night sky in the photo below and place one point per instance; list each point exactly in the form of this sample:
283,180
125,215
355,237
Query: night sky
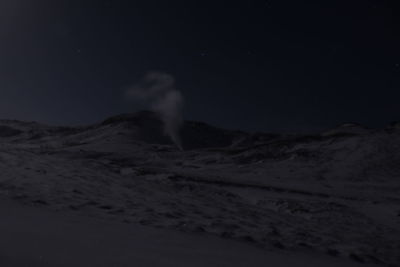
278,65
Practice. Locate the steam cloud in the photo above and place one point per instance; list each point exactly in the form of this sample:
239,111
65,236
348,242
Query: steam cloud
158,90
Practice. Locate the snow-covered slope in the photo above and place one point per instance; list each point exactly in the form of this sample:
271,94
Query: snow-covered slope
337,193
36,238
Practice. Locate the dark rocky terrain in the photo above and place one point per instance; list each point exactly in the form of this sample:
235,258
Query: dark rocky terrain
336,193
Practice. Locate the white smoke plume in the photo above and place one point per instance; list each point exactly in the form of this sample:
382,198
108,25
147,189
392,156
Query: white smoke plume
158,90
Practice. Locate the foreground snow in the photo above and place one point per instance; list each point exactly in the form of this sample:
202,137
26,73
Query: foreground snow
32,237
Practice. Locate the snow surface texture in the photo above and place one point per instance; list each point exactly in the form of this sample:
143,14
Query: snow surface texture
335,195
39,238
